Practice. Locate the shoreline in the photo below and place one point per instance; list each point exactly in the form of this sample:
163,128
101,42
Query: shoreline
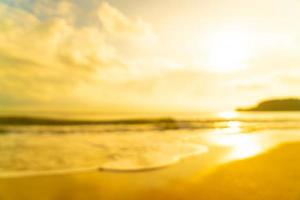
193,177
214,155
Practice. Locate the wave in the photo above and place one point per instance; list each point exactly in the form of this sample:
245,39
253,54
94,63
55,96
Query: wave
103,168
16,120
25,120
25,124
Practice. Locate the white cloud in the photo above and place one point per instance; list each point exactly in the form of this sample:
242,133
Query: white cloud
57,52
42,58
119,25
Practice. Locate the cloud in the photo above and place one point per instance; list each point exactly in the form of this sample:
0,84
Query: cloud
46,53
47,59
55,53
119,25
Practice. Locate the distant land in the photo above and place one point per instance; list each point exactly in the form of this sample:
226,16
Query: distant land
284,104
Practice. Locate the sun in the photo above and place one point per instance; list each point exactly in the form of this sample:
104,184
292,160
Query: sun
229,50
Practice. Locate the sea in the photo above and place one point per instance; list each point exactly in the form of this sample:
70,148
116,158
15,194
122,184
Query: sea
60,142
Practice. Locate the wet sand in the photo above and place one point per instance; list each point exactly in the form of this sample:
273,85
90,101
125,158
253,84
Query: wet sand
272,175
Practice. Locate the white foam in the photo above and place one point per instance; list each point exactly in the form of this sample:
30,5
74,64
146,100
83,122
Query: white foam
36,154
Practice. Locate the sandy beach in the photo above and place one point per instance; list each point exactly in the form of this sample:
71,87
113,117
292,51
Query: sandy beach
273,174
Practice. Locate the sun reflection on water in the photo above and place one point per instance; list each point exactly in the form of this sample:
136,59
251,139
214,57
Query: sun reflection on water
242,146
228,114
233,127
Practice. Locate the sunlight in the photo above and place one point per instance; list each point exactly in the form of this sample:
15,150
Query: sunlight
232,127
243,146
228,114
229,50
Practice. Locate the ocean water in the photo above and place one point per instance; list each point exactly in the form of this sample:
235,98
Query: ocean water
39,143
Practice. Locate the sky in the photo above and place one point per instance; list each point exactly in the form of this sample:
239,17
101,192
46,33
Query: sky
150,55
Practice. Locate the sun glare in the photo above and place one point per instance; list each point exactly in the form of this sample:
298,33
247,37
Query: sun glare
229,50
242,146
228,114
